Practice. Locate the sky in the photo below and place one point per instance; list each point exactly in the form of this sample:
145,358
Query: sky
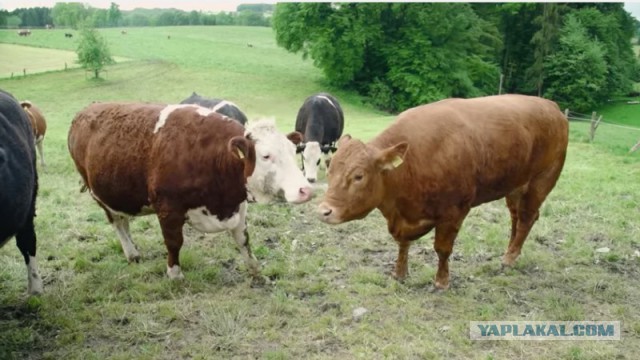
205,5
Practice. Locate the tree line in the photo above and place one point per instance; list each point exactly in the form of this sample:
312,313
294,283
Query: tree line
401,55
75,14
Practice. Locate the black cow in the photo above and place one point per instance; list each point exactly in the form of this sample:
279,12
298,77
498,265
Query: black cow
220,106
320,120
18,184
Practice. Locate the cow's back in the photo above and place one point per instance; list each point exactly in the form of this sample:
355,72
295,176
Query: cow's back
110,143
478,149
320,120
18,177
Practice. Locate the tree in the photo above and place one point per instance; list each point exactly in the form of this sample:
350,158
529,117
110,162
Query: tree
398,54
113,14
93,52
69,14
577,71
544,41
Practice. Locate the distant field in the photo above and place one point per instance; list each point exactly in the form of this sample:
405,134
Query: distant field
96,306
16,59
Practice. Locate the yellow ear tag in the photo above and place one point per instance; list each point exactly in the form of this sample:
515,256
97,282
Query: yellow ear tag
240,154
397,161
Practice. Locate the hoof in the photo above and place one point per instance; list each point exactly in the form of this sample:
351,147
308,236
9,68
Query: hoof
175,273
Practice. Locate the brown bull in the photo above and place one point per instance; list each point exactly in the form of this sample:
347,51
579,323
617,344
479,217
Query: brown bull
437,161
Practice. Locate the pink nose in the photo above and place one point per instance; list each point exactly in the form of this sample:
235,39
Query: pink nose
305,193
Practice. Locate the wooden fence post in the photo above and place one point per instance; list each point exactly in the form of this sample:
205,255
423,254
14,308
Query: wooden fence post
594,126
566,113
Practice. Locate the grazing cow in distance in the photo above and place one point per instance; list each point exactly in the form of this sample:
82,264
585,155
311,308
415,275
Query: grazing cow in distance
68,35
18,185
185,163
123,32
39,125
321,121
24,32
218,105
437,161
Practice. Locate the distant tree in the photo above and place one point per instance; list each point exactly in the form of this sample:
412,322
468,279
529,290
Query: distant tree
69,14
114,15
194,18
577,71
224,18
4,15
98,18
258,8
251,18
93,51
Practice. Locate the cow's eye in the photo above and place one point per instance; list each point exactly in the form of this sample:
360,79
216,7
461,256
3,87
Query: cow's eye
358,177
266,157
318,162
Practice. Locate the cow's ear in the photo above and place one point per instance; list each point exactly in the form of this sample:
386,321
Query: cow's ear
239,146
295,137
25,104
392,157
343,140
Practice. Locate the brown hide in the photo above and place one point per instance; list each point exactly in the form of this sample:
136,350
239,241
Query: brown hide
38,123
437,161
186,164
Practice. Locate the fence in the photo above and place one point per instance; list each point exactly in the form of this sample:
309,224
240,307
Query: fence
595,121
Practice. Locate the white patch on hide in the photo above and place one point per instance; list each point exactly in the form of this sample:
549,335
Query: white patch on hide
202,220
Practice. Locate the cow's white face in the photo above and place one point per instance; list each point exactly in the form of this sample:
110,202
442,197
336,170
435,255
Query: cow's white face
276,169
311,158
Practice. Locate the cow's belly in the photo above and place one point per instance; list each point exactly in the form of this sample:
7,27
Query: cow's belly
201,219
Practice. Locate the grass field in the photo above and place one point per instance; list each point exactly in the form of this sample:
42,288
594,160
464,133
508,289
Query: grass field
96,306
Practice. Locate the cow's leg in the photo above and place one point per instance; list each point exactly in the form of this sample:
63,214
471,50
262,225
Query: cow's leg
241,236
402,268
171,223
121,225
39,146
528,209
26,241
513,201
446,233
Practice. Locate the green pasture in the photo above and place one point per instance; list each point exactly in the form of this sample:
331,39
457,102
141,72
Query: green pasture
96,306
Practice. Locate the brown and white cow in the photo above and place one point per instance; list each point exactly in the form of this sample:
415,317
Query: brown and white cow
38,124
185,163
437,161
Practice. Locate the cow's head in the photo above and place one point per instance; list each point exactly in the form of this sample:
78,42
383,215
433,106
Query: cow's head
276,168
356,184
311,157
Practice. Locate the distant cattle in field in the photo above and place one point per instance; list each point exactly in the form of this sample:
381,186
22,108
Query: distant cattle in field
437,161
49,26
185,163
39,125
24,32
321,121
68,35
220,106
123,32
18,185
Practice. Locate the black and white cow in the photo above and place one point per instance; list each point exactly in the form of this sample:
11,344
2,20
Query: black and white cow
320,120
220,106
18,184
